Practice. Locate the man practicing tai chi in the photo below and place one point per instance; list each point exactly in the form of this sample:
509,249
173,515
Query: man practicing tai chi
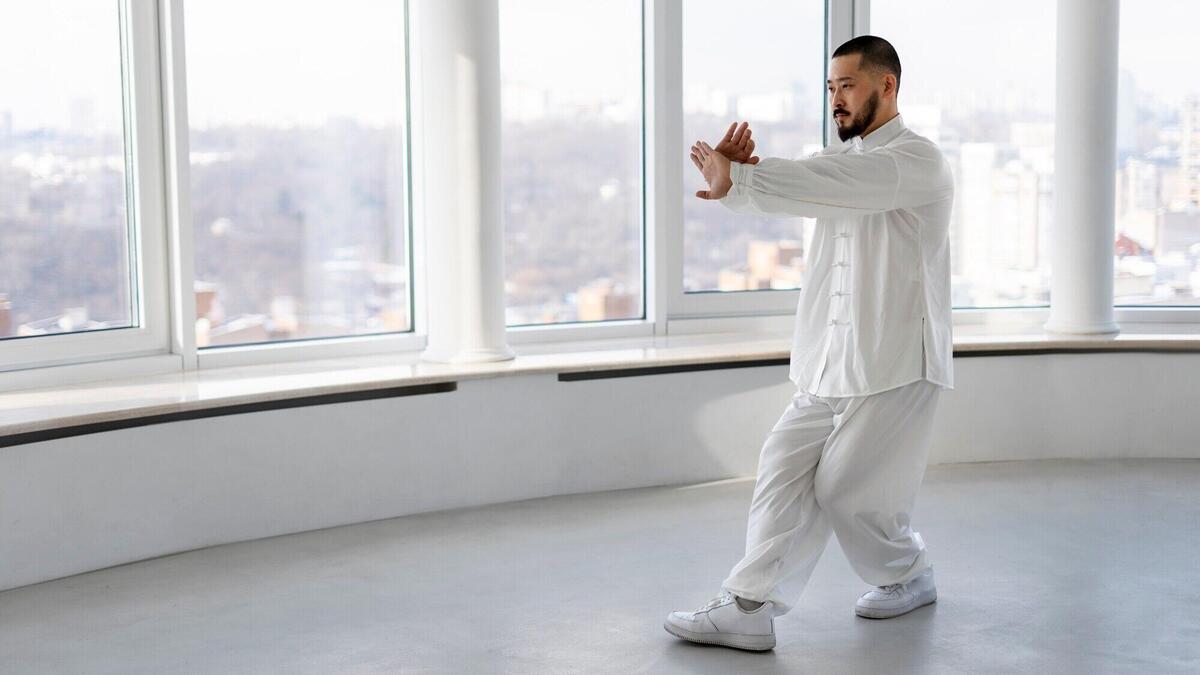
872,350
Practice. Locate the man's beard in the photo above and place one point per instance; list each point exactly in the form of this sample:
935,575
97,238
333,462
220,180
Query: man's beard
860,123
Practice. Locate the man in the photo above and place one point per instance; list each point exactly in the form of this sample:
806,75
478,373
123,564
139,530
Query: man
872,351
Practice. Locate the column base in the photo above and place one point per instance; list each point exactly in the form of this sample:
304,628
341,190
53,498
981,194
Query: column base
470,355
1067,328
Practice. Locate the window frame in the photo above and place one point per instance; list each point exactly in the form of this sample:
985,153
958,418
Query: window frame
646,325
144,217
1132,312
183,250
153,36
842,17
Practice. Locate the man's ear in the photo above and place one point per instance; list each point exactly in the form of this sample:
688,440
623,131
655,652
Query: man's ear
889,83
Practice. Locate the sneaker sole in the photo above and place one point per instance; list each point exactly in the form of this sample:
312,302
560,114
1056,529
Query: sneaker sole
754,643
887,613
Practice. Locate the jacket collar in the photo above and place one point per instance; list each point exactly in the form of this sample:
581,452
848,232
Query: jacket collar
881,136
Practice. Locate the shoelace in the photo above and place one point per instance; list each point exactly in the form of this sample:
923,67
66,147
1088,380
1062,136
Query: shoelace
719,600
889,589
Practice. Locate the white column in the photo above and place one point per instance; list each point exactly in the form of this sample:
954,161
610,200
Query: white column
456,176
1085,159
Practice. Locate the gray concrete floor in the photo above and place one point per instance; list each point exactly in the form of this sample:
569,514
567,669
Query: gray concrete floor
1050,566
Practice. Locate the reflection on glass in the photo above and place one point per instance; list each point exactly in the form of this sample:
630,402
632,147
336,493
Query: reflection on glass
778,87
64,234
988,102
571,80
297,169
1157,255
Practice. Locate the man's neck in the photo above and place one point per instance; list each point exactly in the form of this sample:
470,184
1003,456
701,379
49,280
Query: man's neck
880,120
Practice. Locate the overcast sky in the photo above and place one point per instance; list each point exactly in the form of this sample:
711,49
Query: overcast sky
306,60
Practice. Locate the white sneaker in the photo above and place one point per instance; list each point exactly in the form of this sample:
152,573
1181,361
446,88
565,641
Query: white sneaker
723,622
884,602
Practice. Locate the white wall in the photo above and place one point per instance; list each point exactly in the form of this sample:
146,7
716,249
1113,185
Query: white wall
82,503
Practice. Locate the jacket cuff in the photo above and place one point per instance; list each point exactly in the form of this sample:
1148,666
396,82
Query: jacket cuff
740,173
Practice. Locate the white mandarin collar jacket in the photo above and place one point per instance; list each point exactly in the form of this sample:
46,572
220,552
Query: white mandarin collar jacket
874,307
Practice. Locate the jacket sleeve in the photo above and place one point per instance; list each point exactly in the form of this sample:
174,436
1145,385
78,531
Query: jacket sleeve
844,184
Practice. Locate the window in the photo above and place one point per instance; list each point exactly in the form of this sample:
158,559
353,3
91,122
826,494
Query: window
66,226
571,82
298,170
1157,255
988,102
779,88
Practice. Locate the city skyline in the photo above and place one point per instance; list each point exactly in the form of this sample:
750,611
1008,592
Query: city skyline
335,255
1140,184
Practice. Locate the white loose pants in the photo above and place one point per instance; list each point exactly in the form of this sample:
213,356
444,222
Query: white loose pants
851,465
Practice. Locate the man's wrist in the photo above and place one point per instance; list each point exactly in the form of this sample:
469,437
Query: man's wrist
740,173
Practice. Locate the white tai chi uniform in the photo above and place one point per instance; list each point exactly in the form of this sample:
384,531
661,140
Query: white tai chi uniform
872,350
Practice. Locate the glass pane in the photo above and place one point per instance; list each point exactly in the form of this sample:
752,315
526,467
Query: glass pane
779,88
571,80
990,107
1157,256
298,169
64,223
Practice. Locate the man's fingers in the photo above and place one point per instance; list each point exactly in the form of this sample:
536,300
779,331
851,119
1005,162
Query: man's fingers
729,133
697,162
737,136
752,160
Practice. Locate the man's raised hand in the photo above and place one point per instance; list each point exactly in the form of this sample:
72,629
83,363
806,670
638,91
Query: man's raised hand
715,168
737,144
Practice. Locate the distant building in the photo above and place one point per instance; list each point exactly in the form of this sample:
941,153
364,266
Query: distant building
969,233
1128,246
1189,156
73,319
1139,183
206,300
769,264
607,299
999,221
1178,232
738,278
5,316
764,257
1133,280
242,330
789,276
1139,198
1126,113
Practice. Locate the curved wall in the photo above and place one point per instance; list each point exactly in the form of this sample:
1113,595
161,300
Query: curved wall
86,502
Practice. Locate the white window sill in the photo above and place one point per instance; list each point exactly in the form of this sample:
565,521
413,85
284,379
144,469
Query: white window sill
28,412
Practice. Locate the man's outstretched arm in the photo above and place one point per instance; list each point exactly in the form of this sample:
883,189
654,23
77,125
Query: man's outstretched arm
845,184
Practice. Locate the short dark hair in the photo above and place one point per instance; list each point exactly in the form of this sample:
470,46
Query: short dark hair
878,55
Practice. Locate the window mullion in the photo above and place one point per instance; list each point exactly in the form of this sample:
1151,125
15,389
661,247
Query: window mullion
663,67
177,181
